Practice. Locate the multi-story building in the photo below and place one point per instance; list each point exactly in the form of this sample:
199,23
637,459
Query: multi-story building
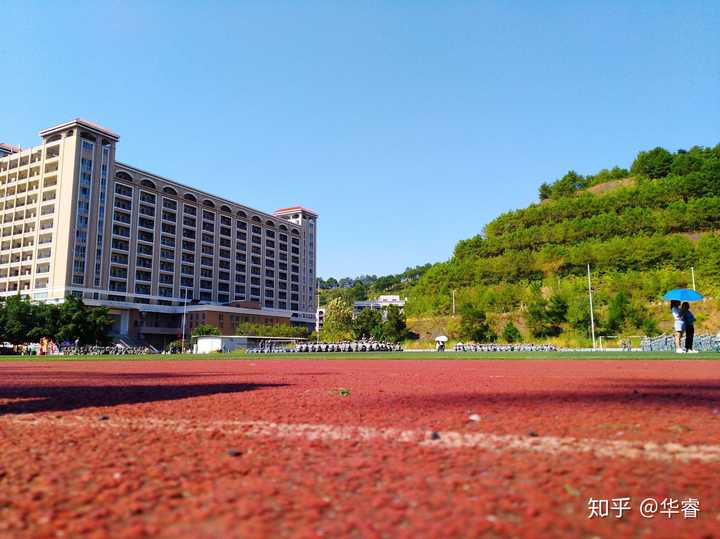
73,220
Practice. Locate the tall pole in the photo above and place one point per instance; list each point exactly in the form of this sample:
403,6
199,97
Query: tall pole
692,270
453,302
592,316
183,319
317,313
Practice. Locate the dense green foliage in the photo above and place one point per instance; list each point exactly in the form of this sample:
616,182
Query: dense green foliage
640,231
270,330
474,325
338,322
394,328
367,325
511,333
389,325
365,286
22,321
205,329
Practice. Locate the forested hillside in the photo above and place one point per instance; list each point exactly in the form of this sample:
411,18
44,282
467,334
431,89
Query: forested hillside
641,230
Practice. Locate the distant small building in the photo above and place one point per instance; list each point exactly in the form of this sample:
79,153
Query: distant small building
206,344
379,304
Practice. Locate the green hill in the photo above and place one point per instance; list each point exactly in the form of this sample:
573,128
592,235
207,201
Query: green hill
640,230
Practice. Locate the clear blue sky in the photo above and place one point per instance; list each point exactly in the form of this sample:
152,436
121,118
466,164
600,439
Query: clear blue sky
406,125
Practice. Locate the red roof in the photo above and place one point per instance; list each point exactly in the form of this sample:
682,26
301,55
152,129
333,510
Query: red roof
295,208
9,147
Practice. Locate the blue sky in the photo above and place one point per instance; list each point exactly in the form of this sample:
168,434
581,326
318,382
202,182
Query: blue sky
406,125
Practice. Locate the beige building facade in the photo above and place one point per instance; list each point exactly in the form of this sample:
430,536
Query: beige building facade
73,220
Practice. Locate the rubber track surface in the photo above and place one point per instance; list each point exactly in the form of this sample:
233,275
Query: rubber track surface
376,448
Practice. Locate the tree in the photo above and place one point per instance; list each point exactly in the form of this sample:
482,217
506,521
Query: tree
536,318
568,184
578,315
88,325
394,329
23,321
367,324
99,325
544,317
474,326
618,312
205,329
511,333
545,191
45,321
338,321
358,291
654,163
17,319
557,309
687,162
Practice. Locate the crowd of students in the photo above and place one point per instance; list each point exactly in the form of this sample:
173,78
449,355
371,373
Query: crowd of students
461,347
349,346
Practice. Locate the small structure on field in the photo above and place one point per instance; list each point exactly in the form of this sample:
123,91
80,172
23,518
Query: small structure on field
205,344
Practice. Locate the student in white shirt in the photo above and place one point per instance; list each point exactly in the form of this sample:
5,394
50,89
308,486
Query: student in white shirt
678,325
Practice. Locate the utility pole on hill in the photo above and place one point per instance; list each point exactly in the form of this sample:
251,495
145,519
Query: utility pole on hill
592,316
692,271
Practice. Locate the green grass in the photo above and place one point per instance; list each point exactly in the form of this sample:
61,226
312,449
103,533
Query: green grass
459,356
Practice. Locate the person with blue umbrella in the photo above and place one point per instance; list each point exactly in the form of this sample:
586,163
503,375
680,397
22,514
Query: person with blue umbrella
683,319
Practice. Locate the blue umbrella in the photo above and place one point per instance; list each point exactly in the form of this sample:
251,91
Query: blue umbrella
683,294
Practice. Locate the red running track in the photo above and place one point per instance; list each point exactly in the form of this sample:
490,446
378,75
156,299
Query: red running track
319,448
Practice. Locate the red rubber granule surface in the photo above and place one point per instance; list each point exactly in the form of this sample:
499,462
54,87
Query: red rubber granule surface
317,448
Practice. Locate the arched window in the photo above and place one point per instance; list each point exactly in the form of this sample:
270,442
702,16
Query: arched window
122,175
283,227
241,214
295,232
270,223
191,198
209,203
148,183
256,219
169,191
225,208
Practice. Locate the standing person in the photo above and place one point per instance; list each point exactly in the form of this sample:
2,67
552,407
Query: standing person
678,325
689,320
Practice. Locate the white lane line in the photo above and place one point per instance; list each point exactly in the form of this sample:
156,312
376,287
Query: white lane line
441,440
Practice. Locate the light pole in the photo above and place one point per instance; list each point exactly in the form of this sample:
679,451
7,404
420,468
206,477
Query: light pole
592,316
183,319
692,271
317,312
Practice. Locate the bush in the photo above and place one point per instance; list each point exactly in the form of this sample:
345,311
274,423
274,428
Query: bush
511,333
